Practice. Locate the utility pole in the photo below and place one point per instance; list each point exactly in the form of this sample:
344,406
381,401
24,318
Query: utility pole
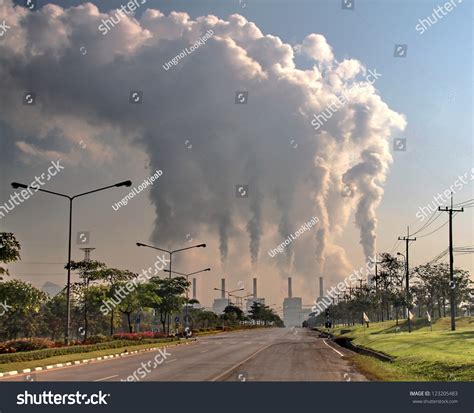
407,239
452,284
350,299
376,285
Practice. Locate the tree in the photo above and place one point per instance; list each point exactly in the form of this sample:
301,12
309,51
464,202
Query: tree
9,251
24,304
232,314
204,318
261,313
117,280
53,316
89,271
433,286
166,296
132,303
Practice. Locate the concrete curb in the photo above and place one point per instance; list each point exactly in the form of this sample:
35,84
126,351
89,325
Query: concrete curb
347,343
87,361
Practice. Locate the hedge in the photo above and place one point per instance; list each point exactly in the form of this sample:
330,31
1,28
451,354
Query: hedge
61,351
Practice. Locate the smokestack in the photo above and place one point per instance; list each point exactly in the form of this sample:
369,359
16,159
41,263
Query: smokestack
321,287
290,292
254,288
223,288
194,288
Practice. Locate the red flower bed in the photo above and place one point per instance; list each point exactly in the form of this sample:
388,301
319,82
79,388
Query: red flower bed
138,336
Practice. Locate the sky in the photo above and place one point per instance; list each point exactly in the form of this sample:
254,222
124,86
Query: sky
294,58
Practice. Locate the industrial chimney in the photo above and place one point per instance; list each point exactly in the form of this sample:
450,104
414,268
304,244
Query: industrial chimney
290,292
254,288
223,288
321,287
194,288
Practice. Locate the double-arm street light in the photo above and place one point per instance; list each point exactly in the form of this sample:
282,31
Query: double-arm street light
242,298
229,293
139,244
187,288
16,185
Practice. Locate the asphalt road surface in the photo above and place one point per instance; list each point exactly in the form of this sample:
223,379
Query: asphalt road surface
272,354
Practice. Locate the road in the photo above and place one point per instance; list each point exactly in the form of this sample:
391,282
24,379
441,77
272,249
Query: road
273,354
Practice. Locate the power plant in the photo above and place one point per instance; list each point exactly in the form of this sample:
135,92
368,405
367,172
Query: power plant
293,312
220,304
255,298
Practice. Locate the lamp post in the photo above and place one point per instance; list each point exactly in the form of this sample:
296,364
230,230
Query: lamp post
139,244
229,293
16,185
244,297
187,288
407,281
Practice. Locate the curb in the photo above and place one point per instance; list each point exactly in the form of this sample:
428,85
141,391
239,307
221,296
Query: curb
87,361
347,343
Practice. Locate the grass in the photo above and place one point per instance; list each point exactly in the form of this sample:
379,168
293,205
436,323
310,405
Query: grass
77,356
438,355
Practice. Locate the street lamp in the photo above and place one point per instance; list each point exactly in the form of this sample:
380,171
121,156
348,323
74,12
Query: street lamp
244,298
17,185
229,292
139,244
187,288
407,290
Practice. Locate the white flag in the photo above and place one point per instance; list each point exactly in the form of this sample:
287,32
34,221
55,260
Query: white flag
410,315
428,315
366,319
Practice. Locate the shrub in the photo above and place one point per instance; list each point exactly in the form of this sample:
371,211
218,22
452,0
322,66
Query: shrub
98,338
25,344
139,336
60,351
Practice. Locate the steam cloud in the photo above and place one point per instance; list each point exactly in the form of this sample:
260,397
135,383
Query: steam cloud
232,143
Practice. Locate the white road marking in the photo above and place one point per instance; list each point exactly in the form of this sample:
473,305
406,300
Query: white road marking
170,361
106,378
239,364
204,351
332,348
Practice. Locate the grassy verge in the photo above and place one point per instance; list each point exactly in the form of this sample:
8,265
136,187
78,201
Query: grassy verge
79,356
438,355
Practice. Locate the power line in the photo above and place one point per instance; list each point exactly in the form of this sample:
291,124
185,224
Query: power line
437,229
432,219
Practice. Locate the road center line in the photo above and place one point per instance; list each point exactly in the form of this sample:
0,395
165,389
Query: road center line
239,364
332,348
105,378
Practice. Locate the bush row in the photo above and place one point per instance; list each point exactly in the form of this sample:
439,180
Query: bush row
61,351
139,336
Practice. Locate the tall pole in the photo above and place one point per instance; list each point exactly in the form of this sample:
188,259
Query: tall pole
407,239
377,286
187,303
68,286
452,284
169,315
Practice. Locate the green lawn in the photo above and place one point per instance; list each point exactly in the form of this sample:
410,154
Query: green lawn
438,355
